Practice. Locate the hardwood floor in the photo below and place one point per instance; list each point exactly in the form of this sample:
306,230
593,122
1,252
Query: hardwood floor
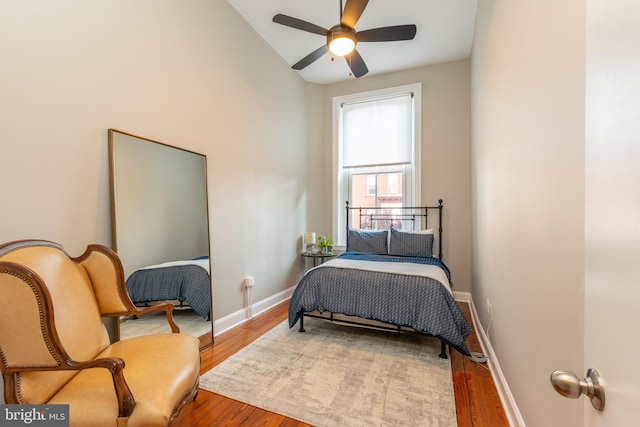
477,401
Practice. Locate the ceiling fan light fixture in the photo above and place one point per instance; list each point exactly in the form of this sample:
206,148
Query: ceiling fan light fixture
341,42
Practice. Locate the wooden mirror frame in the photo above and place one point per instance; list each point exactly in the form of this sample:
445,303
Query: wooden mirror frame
134,237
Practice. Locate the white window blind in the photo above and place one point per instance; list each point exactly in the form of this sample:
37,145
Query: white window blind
377,132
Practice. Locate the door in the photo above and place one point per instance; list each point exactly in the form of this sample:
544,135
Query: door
612,208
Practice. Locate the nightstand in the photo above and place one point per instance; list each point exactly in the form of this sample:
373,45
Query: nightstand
319,258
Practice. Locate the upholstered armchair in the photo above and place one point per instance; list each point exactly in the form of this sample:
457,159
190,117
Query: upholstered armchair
55,349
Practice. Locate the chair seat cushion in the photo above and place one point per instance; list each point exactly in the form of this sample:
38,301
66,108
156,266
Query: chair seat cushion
161,370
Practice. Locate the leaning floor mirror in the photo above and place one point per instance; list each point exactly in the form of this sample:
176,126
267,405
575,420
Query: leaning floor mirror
160,230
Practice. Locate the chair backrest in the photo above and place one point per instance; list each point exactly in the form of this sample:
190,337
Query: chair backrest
43,293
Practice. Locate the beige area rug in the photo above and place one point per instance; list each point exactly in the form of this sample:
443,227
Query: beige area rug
334,375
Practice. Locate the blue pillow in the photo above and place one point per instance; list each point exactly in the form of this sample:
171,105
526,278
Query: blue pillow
374,242
404,243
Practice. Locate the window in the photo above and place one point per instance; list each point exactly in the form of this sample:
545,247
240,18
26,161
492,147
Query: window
371,185
392,183
376,151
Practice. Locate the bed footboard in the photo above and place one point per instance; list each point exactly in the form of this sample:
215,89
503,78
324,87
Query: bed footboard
378,325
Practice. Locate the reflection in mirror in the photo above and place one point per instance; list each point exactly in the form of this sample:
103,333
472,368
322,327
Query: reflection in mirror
160,230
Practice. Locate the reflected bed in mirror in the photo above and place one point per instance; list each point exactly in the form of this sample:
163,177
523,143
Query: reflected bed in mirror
160,230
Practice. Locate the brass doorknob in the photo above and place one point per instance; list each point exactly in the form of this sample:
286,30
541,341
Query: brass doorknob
570,385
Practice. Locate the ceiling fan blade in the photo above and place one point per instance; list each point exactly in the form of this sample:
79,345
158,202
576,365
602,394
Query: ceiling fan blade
309,59
388,34
352,11
356,63
299,24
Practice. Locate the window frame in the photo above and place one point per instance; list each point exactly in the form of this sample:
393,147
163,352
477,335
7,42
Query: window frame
339,189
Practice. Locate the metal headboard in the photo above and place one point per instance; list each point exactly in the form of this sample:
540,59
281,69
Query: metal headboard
382,218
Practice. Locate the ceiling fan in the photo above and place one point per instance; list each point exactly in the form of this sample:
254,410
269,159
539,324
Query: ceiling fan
343,37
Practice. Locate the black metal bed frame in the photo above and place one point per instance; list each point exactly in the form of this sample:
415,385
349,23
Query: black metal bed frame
409,213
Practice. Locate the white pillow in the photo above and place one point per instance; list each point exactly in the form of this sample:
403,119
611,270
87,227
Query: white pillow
427,231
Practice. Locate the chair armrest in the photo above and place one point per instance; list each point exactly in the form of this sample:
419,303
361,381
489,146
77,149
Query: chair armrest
165,306
115,365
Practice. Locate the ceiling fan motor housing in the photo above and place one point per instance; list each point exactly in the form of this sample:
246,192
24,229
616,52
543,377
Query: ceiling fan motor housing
341,35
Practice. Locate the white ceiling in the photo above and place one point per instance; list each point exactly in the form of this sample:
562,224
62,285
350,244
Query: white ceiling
445,33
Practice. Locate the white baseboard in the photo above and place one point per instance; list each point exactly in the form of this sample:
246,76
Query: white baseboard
508,402
462,297
239,317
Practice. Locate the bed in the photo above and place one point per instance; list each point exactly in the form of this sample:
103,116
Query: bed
387,278
185,281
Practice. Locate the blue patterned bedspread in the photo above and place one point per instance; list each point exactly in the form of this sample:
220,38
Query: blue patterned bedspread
186,283
421,303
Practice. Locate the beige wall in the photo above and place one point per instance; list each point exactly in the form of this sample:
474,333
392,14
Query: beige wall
191,74
528,153
445,151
